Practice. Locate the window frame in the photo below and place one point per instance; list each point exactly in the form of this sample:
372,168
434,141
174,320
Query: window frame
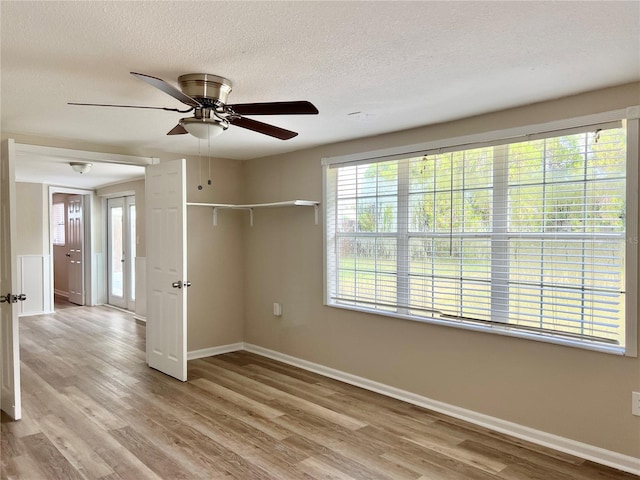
630,117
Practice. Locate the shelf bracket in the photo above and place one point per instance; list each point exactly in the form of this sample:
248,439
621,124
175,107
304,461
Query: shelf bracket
215,216
250,216
315,209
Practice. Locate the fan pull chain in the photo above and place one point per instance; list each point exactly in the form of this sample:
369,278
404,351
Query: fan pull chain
199,165
209,182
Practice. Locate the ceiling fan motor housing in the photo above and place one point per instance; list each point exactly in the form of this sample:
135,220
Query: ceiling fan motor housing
205,86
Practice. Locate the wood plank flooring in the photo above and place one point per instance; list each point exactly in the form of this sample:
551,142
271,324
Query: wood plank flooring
93,410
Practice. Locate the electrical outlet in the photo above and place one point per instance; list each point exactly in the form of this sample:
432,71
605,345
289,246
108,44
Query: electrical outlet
635,403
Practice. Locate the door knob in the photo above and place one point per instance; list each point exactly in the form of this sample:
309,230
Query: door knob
10,298
67,254
176,284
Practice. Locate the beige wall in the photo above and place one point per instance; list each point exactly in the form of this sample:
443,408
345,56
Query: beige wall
574,393
32,219
214,256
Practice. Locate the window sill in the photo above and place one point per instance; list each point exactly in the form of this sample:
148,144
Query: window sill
494,329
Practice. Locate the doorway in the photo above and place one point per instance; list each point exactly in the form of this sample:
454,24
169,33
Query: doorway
69,212
121,251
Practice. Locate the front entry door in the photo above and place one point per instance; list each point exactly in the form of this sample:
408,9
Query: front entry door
10,400
167,268
76,250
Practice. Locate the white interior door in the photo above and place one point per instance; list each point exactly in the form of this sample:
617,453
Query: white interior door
167,268
9,336
76,250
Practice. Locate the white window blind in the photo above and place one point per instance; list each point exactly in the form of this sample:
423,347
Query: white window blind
58,224
527,236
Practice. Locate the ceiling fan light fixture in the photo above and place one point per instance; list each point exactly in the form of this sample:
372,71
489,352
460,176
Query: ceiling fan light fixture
81,167
203,128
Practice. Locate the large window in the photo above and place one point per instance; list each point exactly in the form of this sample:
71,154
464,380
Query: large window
525,238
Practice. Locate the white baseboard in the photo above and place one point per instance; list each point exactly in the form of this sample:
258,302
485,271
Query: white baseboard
589,452
139,317
210,352
31,314
60,293
582,450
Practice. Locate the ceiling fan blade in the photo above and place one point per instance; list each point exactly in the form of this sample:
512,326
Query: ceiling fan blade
167,88
264,128
129,106
177,130
275,108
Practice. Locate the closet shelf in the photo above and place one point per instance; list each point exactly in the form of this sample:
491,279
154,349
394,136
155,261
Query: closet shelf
251,207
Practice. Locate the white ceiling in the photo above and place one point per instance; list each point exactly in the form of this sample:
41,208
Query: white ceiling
369,67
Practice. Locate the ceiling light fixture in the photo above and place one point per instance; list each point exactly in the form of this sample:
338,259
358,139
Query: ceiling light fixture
81,167
203,128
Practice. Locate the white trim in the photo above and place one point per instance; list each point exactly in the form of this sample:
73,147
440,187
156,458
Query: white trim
631,254
588,452
325,225
484,137
633,113
85,155
213,351
60,293
140,318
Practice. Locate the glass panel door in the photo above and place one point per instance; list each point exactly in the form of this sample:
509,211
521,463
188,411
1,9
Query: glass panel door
121,251
116,254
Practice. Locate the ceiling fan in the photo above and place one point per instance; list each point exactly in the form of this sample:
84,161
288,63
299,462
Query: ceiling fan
206,95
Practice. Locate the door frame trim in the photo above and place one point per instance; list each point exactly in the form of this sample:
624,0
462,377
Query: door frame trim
91,266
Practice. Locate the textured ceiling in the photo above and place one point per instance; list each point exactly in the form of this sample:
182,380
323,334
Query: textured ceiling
369,67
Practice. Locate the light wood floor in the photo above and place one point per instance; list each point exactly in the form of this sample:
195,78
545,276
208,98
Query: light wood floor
93,409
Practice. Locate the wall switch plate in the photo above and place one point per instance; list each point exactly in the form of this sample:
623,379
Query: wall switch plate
277,309
635,403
